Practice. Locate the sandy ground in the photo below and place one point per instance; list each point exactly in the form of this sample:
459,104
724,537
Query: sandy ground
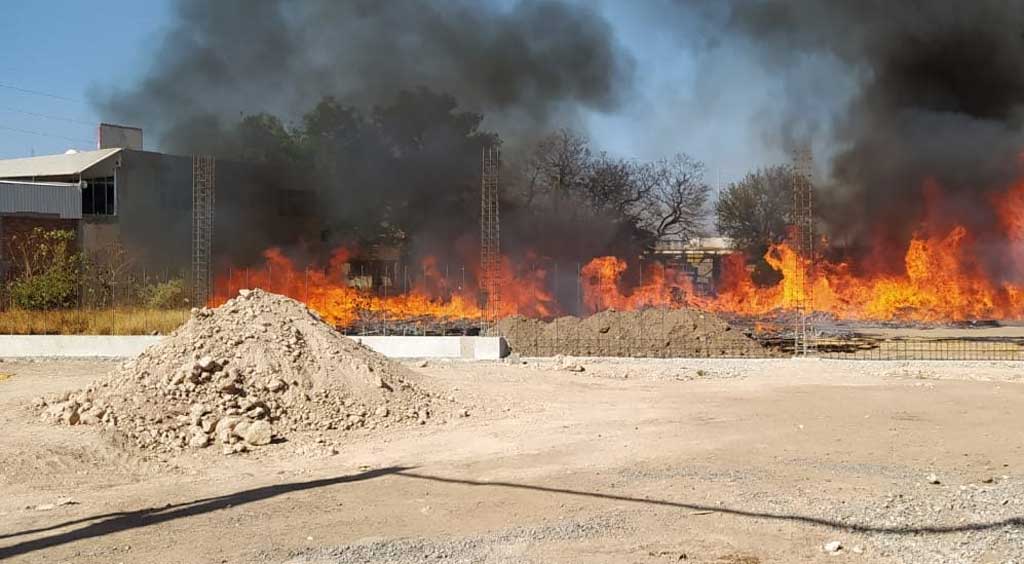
662,461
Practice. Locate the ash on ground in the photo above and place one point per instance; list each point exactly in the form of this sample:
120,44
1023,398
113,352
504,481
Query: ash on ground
245,374
642,333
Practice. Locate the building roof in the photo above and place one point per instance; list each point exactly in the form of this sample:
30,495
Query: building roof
68,164
719,245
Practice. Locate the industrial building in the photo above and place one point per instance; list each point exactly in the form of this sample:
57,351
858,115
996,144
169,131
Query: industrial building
142,203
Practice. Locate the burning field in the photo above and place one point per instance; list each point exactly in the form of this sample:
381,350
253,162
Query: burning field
946,278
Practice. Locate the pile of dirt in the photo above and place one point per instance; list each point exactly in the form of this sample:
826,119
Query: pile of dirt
643,333
244,374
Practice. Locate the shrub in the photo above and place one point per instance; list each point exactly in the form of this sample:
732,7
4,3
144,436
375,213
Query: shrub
164,295
48,270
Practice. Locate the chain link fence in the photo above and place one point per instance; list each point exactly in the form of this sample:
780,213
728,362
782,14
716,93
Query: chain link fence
568,319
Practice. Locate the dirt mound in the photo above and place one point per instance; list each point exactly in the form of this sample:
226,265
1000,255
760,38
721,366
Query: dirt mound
644,333
253,370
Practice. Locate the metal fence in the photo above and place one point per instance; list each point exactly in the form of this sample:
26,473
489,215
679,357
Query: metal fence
133,301
107,302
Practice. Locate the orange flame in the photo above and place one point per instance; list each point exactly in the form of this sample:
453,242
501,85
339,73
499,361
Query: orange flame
332,294
941,280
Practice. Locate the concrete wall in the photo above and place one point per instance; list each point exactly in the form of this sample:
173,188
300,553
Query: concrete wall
475,348
73,346
101,346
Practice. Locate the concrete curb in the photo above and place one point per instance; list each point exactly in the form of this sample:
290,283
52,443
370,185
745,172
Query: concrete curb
115,346
74,346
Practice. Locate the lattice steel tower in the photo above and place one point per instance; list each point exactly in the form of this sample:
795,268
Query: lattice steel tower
803,243
203,195
490,232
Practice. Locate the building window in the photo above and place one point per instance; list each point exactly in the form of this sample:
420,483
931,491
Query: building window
99,197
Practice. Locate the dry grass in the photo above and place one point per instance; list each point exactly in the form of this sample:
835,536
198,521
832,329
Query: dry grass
122,321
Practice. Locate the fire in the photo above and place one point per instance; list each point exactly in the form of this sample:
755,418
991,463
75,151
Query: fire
660,287
942,279
332,293
941,282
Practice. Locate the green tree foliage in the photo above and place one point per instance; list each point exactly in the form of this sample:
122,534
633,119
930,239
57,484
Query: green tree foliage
386,171
754,213
47,268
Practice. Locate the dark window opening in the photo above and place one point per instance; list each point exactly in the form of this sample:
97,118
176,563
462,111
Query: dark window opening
98,196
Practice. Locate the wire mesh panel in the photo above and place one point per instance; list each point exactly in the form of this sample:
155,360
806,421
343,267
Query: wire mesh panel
490,233
203,194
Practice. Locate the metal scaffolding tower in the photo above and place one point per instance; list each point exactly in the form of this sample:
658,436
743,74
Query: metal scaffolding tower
490,233
203,194
803,242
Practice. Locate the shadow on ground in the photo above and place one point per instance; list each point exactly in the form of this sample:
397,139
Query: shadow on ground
109,523
817,521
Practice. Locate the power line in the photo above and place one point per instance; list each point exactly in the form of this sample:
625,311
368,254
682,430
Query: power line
41,93
41,134
47,116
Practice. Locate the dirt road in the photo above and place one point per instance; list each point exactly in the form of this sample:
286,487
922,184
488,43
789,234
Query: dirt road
628,461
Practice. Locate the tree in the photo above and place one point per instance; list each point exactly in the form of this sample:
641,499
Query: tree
621,205
672,197
556,170
754,212
380,173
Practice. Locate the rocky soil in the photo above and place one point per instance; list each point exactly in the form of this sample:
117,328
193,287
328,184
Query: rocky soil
644,333
244,375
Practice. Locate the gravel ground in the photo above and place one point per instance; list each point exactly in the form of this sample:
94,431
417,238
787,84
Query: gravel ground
565,460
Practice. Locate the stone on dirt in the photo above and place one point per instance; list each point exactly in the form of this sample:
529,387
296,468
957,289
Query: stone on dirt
833,547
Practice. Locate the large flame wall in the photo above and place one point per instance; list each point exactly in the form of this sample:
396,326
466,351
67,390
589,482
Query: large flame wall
941,280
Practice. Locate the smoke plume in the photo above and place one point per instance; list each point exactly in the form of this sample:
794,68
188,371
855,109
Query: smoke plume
525,66
938,102
398,89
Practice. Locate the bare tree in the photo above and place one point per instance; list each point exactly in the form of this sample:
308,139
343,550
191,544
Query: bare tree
556,169
674,196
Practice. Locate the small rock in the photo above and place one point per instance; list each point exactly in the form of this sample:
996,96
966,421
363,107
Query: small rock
225,427
207,364
277,385
832,547
227,386
258,433
933,479
422,364
198,439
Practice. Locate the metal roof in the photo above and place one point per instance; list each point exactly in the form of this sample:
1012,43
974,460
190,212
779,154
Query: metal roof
49,198
54,165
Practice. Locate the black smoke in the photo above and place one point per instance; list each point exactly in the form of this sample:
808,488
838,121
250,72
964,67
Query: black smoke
938,102
524,66
392,101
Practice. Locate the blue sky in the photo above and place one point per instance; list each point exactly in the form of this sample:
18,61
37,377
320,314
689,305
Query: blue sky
715,106
63,48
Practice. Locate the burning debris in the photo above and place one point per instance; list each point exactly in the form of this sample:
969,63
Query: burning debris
260,367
